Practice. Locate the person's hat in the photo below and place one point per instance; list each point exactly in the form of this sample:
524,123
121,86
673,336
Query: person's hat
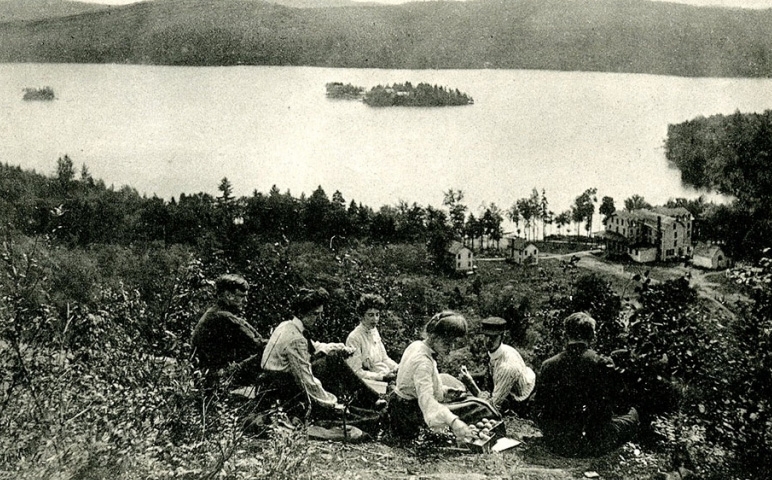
494,325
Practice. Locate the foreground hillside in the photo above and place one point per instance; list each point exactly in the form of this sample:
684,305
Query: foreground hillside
615,36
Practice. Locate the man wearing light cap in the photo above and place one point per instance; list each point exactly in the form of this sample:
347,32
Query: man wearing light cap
513,380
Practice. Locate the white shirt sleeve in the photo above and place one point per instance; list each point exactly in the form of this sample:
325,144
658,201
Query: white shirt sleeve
504,378
436,415
300,366
385,357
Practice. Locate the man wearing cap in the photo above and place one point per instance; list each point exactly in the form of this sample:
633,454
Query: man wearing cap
577,395
512,379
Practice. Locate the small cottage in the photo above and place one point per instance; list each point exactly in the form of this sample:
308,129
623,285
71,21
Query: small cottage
643,253
462,257
522,252
710,257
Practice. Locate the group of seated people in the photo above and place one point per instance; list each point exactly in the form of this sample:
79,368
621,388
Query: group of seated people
573,403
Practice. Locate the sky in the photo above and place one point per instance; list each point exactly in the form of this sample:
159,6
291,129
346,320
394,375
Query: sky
722,3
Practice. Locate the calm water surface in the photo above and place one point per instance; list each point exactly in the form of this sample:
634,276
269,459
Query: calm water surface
167,130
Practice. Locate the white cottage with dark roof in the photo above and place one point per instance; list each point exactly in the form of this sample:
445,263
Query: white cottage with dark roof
710,257
522,252
463,257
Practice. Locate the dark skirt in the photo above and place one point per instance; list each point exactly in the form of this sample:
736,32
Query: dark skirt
405,418
334,374
340,380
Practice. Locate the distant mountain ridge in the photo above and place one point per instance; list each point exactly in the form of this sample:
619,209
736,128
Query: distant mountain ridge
316,3
25,10
590,35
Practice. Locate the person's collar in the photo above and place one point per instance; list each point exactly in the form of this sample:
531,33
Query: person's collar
577,346
429,349
365,328
299,324
497,353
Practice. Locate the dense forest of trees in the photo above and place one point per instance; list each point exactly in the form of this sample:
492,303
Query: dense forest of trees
669,39
79,210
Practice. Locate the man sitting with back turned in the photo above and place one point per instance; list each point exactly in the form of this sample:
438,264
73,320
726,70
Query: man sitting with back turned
222,339
578,390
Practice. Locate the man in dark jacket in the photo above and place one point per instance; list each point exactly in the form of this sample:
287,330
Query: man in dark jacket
222,339
577,392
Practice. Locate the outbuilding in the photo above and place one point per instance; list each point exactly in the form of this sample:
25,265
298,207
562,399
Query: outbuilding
710,257
522,252
642,253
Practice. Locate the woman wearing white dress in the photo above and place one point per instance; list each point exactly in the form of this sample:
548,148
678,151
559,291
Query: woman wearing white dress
421,397
370,360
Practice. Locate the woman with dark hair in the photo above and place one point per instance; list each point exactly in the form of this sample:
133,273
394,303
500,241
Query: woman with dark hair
420,397
370,360
288,367
287,360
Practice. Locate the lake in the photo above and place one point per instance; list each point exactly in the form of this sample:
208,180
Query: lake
171,130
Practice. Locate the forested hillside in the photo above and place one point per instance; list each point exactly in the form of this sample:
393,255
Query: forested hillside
730,154
606,35
15,10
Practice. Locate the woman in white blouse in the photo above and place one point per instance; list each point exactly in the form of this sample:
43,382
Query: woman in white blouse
370,360
419,397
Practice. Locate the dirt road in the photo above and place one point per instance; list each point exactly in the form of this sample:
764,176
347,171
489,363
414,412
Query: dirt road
704,282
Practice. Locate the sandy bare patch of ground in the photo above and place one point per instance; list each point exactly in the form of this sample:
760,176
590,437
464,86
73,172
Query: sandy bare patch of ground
530,460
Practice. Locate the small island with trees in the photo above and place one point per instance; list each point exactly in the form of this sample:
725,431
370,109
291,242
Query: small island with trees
400,95
346,92
421,95
45,93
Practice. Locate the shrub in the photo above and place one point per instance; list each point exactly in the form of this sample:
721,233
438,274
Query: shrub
594,295
513,308
84,393
591,294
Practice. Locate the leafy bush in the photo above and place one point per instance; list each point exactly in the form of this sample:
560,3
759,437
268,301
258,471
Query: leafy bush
593,295
90,393
512,307
665,342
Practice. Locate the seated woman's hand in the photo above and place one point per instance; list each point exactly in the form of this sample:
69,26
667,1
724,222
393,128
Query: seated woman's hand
452,394
460,429
341,352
